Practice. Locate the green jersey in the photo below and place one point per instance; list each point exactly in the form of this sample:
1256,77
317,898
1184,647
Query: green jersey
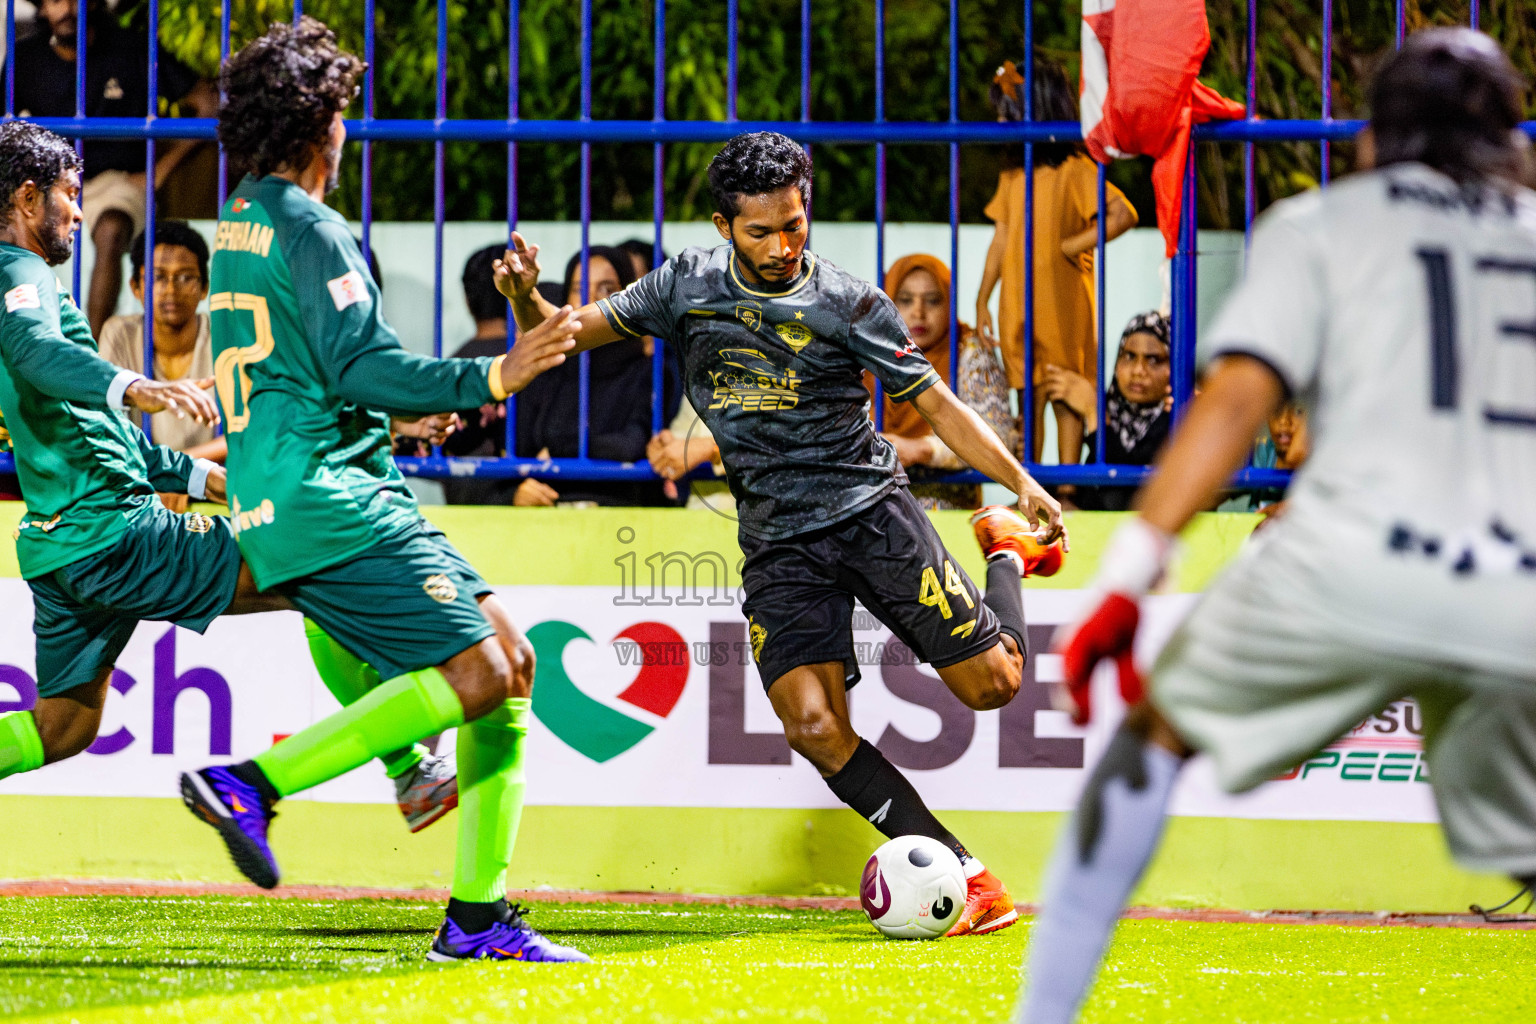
86,472
303,356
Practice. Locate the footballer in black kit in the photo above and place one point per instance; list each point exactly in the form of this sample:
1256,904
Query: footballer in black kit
774,343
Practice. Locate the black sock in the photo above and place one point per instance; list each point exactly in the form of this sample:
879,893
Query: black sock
474,918
1006,599
250,773
875,788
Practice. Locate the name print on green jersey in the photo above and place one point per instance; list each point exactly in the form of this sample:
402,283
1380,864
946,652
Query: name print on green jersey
243,236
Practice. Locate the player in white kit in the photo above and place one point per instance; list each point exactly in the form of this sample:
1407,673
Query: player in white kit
1400,306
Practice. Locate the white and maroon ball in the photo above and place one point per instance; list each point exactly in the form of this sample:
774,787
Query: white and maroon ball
913,888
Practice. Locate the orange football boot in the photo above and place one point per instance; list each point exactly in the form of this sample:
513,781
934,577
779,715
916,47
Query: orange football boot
999,529
988,907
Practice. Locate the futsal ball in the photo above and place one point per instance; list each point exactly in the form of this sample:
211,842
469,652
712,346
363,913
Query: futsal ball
913,888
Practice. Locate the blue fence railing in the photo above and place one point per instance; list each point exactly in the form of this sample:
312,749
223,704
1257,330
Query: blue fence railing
660,131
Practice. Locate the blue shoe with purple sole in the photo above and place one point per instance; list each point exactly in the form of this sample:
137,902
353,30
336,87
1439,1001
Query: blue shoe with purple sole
508,940
239,812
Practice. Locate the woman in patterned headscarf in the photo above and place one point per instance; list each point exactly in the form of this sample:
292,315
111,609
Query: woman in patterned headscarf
919,286
1136,406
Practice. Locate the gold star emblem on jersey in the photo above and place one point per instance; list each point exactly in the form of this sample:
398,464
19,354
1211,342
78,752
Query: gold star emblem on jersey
795,335
441,589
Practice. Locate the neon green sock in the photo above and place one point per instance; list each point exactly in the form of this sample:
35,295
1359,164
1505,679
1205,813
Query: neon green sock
491,783
21,748
348,677
394,714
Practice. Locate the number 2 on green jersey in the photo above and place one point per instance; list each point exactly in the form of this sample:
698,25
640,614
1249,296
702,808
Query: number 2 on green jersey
229,370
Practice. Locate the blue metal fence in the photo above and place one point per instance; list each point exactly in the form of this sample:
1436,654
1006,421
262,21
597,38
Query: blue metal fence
660,131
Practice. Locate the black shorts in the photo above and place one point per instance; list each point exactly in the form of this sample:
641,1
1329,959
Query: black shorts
800,592
165,568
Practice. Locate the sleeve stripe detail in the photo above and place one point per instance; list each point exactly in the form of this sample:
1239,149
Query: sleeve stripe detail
606,308
921,380
493,378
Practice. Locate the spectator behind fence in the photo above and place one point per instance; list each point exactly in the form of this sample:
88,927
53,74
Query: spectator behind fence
919,284
1286,445
183,348
641,254
116,85
548,410
1137,405
1066,234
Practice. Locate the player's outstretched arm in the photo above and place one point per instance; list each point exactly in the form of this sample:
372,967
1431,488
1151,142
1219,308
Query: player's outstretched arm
186,398
969,437
517,277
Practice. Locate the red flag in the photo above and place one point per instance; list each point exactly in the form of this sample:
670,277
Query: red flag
1139,90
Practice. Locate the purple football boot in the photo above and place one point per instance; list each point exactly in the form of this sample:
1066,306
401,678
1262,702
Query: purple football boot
238,811
505,940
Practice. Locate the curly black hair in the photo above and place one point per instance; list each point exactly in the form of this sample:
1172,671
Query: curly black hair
281,92
29,153
1450,98
754,165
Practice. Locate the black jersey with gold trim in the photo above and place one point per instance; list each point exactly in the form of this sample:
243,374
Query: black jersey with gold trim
778,377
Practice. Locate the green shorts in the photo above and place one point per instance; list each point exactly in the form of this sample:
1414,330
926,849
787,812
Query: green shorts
407,603
165,568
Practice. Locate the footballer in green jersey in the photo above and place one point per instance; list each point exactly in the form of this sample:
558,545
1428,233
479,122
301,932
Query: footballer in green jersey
97,548
301,354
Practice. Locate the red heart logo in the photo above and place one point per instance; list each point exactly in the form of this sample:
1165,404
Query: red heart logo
663,669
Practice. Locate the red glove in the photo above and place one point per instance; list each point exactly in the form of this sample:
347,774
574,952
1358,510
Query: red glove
1108,631
1133,562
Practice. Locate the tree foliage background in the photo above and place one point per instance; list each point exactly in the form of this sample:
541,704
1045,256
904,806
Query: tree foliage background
842,89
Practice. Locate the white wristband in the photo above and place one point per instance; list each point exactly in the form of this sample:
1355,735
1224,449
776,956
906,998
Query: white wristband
1135,558
119,387
197,480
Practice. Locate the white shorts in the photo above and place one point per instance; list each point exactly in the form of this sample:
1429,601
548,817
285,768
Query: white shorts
1259,678
109,191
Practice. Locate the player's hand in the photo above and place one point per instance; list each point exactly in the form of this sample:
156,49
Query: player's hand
1132,564
540,349
1042,512
533,493
434,429
186,398
517,272
216,486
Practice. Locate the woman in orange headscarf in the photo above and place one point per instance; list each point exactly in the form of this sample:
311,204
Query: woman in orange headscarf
919,286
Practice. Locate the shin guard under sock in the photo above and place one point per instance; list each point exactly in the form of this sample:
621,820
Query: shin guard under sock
348,677
1006,599
1099,858
394,714
21,746
876,789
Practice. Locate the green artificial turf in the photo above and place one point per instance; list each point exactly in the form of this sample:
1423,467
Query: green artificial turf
98,959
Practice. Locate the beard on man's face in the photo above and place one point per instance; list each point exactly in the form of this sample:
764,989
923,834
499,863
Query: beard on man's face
57,234
333,176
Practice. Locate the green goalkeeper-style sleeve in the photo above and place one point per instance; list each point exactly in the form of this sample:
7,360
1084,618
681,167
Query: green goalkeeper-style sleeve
359,352
34,347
